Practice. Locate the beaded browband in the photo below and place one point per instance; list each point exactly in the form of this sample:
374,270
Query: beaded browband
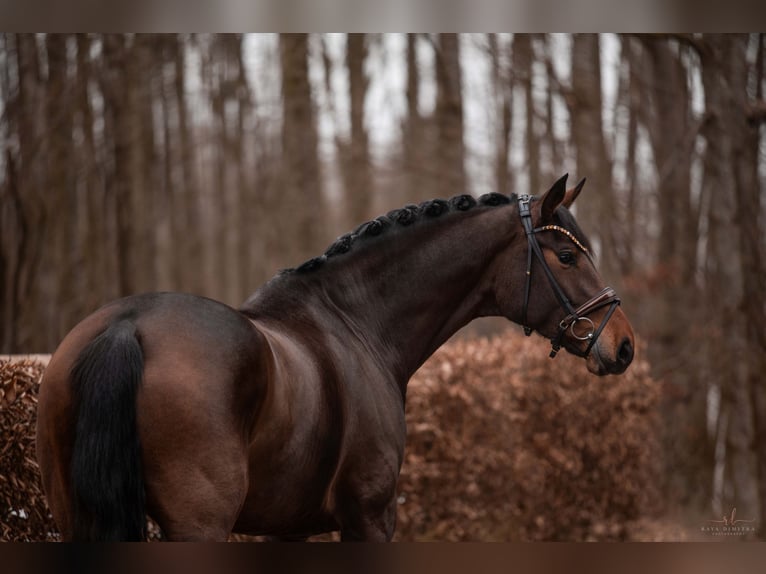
567,233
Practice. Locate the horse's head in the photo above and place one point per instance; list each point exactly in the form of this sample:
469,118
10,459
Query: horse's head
555,288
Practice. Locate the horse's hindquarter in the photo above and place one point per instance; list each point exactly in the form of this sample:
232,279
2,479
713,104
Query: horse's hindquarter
203,378
200,377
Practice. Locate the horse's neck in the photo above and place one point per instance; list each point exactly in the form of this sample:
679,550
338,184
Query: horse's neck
410,293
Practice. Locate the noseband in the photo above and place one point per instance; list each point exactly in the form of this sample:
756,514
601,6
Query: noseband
606,296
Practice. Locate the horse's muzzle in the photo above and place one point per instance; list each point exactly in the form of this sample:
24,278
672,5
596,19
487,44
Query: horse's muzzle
601,362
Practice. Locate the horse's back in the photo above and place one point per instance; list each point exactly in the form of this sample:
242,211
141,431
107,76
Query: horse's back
201,382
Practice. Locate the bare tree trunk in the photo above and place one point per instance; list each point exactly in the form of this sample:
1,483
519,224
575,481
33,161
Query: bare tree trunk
724,96
752,231
92,252
523,59
634,103
593,161
11,208
118,181
107,80
557,167
142,81
227,82
502,87
450,152
190,248
31,179
661,104
170,224
57,269
11,220
357,173
415,160
749,442
300,204
246,223
221,191
125,87
672,137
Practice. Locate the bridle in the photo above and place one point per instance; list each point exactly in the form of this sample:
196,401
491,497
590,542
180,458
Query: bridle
607,296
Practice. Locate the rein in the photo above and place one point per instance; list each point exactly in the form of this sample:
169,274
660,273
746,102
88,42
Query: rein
607,296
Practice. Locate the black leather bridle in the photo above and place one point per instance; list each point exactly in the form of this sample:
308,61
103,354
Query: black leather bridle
607,296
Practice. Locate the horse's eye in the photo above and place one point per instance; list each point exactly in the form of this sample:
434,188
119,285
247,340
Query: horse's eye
566,257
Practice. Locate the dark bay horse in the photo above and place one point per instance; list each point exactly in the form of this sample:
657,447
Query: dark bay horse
286,417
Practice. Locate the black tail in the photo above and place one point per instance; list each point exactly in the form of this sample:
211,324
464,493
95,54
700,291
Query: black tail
107,479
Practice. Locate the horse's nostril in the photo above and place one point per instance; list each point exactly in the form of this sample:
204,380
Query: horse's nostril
625,352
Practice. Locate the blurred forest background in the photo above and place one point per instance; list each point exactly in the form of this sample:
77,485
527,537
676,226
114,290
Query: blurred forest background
206,163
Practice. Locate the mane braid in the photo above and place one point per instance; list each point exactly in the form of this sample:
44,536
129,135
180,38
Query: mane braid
400,218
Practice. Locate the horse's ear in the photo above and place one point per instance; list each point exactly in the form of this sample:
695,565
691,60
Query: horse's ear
572,194
553,198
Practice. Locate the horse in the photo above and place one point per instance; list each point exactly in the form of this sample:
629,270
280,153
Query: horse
285,417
